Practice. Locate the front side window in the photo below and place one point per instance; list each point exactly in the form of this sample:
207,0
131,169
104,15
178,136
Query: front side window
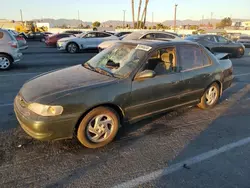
162,61
210,38
191,57
119,60
90,35
221,39
149,36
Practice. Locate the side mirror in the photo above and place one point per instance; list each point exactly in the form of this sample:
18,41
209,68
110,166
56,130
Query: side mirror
145,74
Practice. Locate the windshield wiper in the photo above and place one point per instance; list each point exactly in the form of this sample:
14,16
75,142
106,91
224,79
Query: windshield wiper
88,66
102,70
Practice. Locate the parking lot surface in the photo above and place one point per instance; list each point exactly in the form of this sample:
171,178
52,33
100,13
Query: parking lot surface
219,137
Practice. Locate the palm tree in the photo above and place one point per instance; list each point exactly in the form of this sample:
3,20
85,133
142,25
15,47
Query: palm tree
133,12
139,11
144,14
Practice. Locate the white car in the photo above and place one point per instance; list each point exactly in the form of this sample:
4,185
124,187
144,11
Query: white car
87,40
138,35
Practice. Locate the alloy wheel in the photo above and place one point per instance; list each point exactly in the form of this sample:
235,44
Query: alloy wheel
72,48
4,63
100,128
211,95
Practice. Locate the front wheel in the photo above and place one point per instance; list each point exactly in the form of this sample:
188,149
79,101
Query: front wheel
98,128
72,48
210,97
240,52
5,62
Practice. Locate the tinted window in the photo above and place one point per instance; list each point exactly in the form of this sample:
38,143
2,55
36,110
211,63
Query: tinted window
210,38
102,35
1,35
149,36
206,59
192,37
221,39
191,57
162,61
162,35
90,35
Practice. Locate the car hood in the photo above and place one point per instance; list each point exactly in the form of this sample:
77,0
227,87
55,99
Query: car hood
62,81
107,44
66,39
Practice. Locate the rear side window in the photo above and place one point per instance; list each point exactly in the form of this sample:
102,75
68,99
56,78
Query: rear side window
164,36
149,36
102,35
1,35
192,57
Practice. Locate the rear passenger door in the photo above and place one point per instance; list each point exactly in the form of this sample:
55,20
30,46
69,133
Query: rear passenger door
89,40
195,71
102,37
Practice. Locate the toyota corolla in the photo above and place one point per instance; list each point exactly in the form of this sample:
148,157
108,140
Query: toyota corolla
130,81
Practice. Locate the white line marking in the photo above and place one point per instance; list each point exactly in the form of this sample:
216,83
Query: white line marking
178,166
3,105
238,75
21,74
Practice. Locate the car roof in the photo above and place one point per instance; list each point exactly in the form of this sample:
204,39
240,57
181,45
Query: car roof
156,43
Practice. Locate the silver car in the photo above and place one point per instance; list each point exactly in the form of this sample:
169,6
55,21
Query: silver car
22,43
9,50
84,41
140,35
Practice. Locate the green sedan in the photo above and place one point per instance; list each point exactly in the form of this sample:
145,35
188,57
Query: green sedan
130,81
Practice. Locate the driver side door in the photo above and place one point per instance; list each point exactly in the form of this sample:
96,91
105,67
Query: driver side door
89,40
154,95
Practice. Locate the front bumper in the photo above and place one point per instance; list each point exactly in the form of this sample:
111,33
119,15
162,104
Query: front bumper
43,128
61,46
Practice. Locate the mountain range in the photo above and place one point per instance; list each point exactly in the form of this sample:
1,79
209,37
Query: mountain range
114,23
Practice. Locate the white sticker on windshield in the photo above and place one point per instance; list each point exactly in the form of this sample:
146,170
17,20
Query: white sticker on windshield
143,47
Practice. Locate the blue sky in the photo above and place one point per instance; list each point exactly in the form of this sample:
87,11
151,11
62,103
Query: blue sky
101,10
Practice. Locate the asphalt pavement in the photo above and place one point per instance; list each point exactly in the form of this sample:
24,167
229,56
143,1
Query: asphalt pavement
185,148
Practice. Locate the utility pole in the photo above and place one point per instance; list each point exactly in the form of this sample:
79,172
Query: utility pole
152,19
21,14
79,18
133,12
175,12
124,15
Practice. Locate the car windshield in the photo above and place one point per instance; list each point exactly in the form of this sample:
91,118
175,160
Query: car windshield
118,61
133,36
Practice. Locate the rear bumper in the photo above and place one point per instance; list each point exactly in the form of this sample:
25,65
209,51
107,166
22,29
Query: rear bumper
17,57
24,47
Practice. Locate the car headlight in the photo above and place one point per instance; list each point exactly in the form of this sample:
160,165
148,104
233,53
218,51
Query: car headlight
45,110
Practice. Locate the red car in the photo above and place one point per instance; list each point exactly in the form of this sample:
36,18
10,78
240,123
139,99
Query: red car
52,40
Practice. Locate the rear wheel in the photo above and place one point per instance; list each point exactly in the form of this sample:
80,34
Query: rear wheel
240,52
5,62
72,48
98,128
210,97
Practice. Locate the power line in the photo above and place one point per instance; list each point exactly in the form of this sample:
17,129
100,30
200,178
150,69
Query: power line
124,15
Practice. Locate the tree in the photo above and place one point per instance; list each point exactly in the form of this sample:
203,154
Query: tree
133,12
96,24
141,25
193,27
138,14
224,23
159,26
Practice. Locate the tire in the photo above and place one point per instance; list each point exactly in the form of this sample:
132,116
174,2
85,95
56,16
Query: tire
5,62
206,103
240,52
88,130
72,48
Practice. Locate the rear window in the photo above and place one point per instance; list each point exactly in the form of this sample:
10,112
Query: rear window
1,35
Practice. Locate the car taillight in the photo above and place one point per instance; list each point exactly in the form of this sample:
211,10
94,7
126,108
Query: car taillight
13,44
